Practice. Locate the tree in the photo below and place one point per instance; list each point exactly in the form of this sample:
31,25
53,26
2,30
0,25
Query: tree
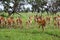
58,2
41,2
6,4
16,2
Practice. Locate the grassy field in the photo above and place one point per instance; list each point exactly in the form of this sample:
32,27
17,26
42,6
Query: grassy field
30,34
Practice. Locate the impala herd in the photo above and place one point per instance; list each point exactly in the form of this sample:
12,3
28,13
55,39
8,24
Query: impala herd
40,20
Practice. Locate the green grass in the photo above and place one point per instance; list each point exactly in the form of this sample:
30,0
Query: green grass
30,34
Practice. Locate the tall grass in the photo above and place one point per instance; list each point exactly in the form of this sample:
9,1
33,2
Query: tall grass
33,33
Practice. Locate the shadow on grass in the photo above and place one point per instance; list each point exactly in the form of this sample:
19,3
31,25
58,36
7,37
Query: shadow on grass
33,32
41,32
55,35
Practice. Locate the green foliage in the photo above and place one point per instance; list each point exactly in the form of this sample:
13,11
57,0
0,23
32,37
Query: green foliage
41,2
58,2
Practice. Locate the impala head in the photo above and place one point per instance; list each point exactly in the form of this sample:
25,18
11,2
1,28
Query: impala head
11,17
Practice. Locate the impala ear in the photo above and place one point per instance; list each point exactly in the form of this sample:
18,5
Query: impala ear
11,17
